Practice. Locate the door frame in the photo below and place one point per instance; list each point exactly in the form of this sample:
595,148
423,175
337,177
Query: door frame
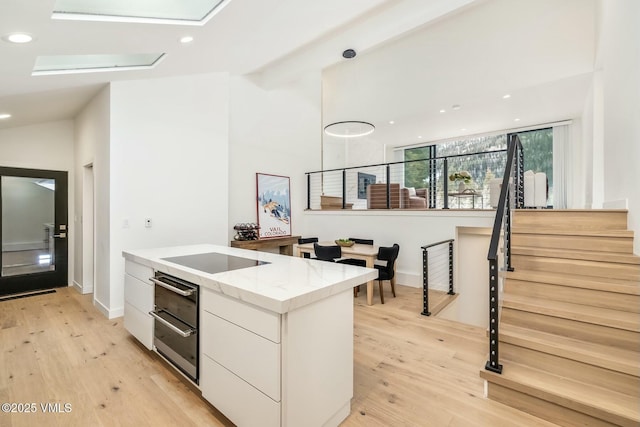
48,279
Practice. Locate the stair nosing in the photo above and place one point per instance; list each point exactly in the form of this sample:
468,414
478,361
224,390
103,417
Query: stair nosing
583,403
564,310
577,254
615,359
620,286
614,233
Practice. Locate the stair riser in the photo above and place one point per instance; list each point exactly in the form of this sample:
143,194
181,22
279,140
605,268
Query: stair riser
584,372
606,284
580,267
543,409
595,298
571,220
573,329
600,244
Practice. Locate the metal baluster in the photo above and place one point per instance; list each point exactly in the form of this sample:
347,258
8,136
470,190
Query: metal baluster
425,283
451,269
493,362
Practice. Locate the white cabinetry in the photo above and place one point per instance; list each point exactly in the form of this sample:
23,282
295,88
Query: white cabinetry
290,369
138,302
241,356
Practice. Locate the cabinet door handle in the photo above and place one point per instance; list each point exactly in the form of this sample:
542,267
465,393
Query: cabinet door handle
178,291
171,326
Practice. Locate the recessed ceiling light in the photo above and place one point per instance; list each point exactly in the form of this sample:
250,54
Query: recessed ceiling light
4,116
516,120
419,136
186,39
506,96
18,38
463,129
391,122
443,111
455,107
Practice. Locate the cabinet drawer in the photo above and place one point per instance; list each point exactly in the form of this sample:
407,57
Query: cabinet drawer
138,271
139,324
138,293
249,356
235,398
262,322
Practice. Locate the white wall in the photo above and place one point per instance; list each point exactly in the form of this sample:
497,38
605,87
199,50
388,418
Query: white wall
92,147
471,271
46,146
620,58
410,229
169,162
275,131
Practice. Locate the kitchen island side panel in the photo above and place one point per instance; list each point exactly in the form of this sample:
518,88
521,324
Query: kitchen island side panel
317,360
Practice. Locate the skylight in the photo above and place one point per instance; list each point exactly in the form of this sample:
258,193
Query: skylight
191,12
70,64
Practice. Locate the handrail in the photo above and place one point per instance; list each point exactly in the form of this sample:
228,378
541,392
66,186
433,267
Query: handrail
409,161
425,273
436,244
503,211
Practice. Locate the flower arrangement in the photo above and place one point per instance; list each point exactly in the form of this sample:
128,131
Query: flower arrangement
462,176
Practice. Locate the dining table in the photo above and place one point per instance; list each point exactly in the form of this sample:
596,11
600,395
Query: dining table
368,253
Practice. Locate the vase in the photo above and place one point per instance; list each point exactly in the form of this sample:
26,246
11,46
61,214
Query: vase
461,187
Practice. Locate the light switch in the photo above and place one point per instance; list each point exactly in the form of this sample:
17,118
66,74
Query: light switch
147,222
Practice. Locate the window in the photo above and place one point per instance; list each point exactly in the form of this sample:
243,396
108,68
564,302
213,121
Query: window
537,146
462,155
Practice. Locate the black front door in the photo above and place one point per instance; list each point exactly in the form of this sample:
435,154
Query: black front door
33,214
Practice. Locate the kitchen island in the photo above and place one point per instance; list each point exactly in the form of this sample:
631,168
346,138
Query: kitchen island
275,340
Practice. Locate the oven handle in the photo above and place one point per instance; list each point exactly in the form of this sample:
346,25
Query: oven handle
172,288
171,326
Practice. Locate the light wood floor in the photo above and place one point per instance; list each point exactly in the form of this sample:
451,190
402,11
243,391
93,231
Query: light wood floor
410,370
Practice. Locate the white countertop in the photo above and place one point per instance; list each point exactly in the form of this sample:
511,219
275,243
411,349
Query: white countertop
287,283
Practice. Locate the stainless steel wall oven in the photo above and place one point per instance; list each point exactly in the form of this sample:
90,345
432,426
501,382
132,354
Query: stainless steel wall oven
176,322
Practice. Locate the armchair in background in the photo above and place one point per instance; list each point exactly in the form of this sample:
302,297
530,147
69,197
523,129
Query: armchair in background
400,198
414,198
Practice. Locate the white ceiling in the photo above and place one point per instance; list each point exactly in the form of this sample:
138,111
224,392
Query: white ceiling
414,57
540,52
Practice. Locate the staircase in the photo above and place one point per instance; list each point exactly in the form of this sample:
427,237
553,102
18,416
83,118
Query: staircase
570,320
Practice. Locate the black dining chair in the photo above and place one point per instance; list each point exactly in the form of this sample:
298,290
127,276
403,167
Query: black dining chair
358,262
303,240
387,271
327,253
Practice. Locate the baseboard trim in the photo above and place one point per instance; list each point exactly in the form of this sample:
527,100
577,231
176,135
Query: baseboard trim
80,289
616,204
77,286
411,280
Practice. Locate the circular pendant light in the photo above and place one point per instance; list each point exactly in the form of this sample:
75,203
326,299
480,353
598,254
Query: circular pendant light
349,129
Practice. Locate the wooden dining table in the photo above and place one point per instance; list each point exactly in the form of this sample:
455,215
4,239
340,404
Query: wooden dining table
368,253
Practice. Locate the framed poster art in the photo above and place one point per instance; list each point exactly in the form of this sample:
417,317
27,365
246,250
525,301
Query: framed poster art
364,180
274,205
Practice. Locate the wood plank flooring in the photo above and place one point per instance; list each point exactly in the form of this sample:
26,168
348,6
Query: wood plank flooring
410,370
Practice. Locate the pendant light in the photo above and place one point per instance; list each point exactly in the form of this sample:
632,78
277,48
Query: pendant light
349,128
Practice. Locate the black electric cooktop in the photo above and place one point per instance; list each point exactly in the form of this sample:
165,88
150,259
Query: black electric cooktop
214,262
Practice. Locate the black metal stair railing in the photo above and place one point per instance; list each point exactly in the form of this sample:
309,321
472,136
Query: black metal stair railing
425,273
513,176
